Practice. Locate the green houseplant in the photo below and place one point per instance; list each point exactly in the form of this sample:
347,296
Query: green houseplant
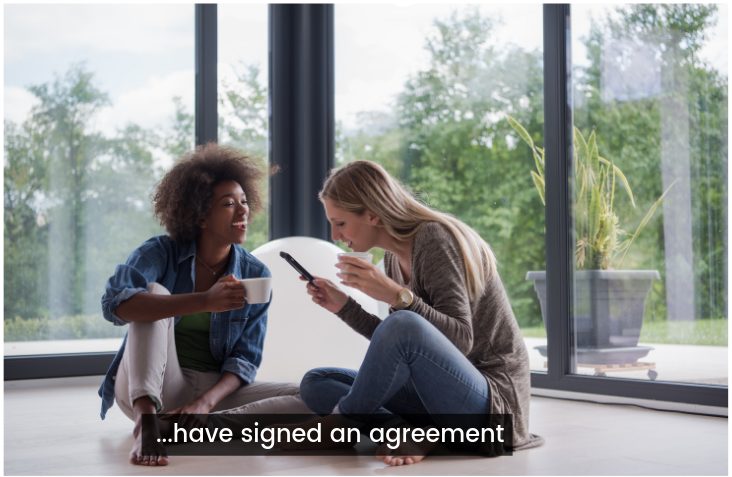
608,301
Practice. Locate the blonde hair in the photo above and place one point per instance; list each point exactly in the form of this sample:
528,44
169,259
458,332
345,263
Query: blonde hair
363,185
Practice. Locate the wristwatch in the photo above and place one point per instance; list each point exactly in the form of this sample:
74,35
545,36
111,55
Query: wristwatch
405,298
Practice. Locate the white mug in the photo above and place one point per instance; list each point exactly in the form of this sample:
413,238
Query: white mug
257,290
362,255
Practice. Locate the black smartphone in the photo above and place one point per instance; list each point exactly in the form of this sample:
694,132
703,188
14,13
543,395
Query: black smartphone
296,265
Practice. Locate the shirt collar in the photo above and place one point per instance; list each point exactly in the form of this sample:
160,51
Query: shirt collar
187,250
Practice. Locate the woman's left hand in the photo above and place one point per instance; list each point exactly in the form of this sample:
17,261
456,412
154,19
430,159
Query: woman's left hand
194,407
193,414
364,276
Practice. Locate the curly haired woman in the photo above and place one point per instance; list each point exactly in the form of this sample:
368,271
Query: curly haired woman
194,344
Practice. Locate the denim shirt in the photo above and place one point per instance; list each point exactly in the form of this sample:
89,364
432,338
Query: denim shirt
236,336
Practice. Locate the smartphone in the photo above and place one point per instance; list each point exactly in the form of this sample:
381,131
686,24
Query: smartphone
296,265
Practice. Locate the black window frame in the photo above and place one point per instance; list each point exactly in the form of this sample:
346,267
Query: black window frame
301,144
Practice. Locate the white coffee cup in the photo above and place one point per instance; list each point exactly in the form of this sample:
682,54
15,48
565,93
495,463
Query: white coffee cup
257,290
362,255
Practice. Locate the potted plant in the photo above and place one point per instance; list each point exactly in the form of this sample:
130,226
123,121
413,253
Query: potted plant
608,302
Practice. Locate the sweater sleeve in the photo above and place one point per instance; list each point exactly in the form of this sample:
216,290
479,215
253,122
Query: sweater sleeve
359,319
441,293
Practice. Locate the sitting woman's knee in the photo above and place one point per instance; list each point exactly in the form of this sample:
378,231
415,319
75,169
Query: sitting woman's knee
401,322
313,389
157,289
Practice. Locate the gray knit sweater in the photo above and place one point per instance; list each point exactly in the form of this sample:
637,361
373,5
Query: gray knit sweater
485,331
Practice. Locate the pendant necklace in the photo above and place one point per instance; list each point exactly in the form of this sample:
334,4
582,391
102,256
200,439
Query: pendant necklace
213,272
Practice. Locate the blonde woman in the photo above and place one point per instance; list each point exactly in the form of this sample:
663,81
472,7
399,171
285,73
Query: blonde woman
451,344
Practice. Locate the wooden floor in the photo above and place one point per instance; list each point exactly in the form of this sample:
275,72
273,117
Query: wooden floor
52,427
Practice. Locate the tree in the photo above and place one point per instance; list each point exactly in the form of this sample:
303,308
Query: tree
657,106
73,199
25,231
58,129
447,141
77,201
243,123
456,152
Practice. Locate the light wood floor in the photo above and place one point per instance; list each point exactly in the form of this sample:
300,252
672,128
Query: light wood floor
52,427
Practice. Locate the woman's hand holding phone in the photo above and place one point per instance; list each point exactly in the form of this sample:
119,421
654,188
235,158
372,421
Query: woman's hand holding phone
323,292
326,294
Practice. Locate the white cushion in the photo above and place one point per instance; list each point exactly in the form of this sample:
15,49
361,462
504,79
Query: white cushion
300,334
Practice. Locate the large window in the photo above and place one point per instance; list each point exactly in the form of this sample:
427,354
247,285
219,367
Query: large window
446,97
650,191
94,112
434,110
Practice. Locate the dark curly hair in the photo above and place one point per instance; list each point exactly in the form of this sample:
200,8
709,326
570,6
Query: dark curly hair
183,196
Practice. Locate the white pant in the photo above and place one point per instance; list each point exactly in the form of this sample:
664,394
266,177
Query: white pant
150,367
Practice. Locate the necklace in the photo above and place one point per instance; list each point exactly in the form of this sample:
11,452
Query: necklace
213,272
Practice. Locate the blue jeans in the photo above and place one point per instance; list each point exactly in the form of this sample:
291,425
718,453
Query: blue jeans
410,368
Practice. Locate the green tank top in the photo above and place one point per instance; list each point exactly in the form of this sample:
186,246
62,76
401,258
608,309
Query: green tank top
192,345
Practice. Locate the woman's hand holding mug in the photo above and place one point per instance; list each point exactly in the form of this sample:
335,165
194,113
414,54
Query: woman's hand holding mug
366,277
226,294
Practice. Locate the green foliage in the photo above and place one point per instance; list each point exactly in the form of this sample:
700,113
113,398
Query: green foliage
629,131
597,226
446,139
61,328
78,201
243,125
704,332
446,142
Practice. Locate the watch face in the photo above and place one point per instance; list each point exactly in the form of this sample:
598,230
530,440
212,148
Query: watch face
405,297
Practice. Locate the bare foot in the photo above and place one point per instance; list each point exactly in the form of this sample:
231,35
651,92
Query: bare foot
400,459
406,453
154,456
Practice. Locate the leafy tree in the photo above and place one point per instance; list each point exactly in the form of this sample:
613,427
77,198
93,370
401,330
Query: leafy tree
243,123
180,138
628,120
59,129
446,138
243,112
456,152
73,199
447,142
77,201
25,231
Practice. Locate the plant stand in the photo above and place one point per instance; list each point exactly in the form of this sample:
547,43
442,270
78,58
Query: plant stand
612,360
601,370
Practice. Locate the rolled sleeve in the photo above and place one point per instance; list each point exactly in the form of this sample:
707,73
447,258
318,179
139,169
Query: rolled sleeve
143,266
242,368
245,358
110,303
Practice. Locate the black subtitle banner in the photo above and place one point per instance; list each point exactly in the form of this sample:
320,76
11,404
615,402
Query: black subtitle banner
336,434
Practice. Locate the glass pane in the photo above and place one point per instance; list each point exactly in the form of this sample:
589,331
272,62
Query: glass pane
242,91
650,188
92,118
433,111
